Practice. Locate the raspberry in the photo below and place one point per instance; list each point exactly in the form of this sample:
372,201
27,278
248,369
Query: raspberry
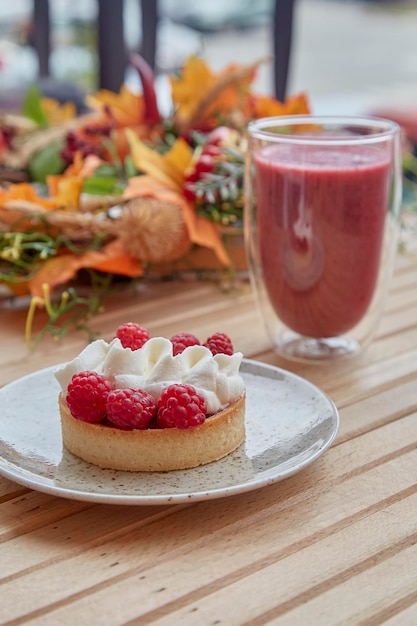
180,406
219,343
130,408
132,335
87,395
181,341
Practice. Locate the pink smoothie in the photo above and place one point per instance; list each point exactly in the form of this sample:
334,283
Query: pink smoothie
321,218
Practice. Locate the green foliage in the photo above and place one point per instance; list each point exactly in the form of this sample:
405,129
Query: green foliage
32,106
102,185
72,311
46,162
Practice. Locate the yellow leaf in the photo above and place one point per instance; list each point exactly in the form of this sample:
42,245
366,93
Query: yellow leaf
195,79
169,168
66,188
202,98
58,113
265,106
68,192
127,107
180,157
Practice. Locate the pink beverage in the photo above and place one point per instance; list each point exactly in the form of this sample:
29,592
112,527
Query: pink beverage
321,213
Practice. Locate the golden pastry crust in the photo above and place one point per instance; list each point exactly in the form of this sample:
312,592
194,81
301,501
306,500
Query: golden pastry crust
155,450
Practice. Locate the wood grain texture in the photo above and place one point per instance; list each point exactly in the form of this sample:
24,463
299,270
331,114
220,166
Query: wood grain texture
332,545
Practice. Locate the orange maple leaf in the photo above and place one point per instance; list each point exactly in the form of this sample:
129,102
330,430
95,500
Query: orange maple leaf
127,111
66,188
127,107
57,113
168,168
112,258
27,193
200,96
266,106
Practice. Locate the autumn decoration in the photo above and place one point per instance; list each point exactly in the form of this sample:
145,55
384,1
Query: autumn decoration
122,191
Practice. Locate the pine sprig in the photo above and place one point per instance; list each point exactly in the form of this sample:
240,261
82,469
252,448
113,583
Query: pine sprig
21,253
219,195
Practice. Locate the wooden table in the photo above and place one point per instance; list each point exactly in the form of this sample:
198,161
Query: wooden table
334,544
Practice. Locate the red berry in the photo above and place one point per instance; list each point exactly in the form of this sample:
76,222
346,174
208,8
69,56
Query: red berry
212,150
180,406
66,155
130,408
192,176
72,141
219,343
180,341
87,396
132,335
189,194
204,164
220,135
92,129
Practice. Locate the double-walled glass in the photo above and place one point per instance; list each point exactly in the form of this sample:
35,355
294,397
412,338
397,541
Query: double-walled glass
322,205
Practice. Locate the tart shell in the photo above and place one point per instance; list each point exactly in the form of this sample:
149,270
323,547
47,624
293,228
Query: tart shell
155,450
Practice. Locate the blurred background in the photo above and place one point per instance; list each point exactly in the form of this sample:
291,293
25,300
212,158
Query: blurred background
349,56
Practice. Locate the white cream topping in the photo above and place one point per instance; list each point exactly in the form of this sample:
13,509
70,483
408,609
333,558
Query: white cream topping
153,367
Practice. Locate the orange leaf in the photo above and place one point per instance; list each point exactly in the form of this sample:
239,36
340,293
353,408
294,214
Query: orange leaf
66,188
196,78
121,141
59,270
265,106
201,231
204,233
57,113
202,97
297,105
69,190
24,191
18,288
115,260
127,107
84,167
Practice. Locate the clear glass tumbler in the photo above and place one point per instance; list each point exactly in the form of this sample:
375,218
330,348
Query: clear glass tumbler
322,209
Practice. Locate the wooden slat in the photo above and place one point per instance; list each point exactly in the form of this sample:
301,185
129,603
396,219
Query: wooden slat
246,520
404,617
221,558
310,573
332,545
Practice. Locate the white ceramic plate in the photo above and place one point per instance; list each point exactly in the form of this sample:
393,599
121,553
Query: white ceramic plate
289,424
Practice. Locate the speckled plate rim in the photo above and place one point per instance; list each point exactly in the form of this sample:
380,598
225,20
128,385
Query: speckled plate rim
330,425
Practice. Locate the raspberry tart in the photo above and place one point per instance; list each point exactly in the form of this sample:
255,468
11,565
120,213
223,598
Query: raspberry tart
149,404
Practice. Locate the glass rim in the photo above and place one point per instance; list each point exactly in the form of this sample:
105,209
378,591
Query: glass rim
384,129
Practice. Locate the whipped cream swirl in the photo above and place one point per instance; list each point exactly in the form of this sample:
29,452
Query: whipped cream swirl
153,367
